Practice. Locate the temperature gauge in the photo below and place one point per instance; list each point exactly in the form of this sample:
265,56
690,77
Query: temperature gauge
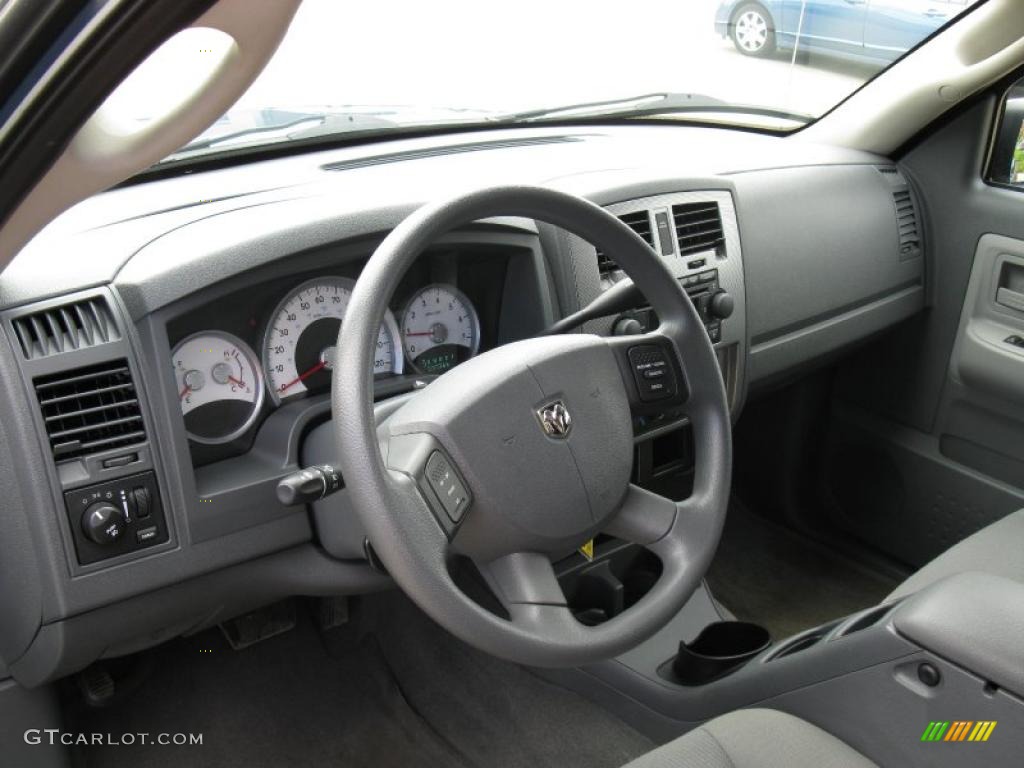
220,386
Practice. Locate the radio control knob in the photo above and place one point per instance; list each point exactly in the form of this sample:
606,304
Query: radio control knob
627,326
103,523
721,305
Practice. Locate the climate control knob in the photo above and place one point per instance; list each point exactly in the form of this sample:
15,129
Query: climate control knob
721,305
103,523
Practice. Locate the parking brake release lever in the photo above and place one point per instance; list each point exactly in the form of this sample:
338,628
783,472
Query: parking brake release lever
309,485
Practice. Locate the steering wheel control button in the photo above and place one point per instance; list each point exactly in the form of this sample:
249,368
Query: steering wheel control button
447,486
116,517
652,372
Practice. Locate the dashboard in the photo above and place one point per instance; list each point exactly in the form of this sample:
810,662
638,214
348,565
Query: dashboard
171,362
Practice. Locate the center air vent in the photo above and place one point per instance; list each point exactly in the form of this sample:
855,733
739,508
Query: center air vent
78,325
698,227
906,221
88,410
639,222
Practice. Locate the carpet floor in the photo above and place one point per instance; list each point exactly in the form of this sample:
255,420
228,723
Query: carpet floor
768,574
389,689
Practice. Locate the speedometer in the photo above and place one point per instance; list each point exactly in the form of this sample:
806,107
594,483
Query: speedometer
298,348
440,328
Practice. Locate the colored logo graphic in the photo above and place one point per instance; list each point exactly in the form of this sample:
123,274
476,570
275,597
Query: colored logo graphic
958,730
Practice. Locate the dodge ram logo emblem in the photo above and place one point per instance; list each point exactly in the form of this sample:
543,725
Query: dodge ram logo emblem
555,420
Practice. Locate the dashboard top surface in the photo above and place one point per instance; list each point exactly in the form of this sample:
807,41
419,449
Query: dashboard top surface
374,186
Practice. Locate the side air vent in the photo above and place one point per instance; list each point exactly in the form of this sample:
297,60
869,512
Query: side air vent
906,221
639,222
698,227
78,325
88,410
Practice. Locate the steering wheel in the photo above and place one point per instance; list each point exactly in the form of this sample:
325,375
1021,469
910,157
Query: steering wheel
525,451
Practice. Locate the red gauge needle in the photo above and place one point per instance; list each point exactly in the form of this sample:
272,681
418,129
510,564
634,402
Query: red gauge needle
233,380
184,392
419,333
302,377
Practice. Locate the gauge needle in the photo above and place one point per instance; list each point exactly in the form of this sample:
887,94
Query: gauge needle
419,333
302,377
184,392
233,380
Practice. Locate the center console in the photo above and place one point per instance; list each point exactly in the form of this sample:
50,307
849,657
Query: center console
945,664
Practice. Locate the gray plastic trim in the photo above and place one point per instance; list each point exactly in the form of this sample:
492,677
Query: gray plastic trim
143,621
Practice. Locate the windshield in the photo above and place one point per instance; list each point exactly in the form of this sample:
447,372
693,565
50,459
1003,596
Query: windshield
368,68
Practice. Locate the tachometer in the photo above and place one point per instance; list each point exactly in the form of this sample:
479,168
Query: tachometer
298,349
220,385
440,328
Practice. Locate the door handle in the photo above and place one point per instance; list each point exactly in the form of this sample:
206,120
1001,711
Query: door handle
1010,298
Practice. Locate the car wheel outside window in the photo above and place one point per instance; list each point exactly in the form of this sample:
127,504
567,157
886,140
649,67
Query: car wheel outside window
752,30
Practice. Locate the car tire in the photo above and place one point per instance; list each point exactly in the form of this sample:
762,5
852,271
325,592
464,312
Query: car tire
752,31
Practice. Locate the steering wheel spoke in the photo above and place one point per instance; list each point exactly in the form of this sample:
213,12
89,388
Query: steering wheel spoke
527,587
644,517
524,578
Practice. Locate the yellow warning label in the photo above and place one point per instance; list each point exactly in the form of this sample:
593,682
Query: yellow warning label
587,550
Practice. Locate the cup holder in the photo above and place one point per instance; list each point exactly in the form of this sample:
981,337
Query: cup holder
721,648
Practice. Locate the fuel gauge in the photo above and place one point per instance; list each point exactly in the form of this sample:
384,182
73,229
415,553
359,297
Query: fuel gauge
220,386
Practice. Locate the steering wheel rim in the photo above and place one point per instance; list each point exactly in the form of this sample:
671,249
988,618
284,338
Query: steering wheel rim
384,467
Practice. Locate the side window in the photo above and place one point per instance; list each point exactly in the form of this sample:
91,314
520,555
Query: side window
1006,162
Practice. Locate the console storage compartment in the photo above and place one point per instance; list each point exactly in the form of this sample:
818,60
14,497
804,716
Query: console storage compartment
974,620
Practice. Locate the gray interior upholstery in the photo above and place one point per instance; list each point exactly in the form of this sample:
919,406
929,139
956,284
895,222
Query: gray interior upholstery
994,549
764,738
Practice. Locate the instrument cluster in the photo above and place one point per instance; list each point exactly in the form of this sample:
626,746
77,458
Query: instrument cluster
224,383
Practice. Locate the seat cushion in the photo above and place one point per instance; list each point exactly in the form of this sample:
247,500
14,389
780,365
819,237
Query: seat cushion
994,549
754,738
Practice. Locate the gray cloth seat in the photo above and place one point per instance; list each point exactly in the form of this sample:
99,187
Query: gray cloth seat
754,738
995,549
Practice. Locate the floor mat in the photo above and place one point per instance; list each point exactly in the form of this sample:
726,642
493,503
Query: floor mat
394,691
768,574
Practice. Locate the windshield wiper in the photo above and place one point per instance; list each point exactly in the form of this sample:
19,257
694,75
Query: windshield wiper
649,105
